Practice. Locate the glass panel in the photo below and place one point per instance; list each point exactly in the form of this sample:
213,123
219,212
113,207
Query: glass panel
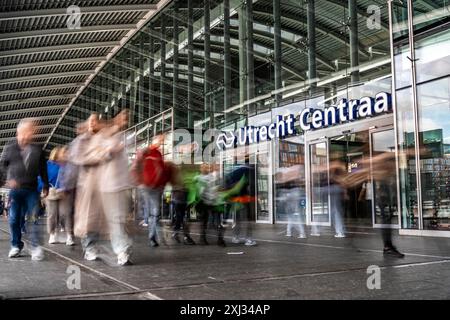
434,129
319,183
399,20
264,181
384,194
433,57
407,163
429,13
290,180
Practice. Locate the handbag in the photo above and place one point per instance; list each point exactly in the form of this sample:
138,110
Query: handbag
53,193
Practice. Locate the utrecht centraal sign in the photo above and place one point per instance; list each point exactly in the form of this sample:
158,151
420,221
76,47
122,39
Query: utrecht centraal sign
308,119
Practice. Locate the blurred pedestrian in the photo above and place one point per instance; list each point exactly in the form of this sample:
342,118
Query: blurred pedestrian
23,161
151,177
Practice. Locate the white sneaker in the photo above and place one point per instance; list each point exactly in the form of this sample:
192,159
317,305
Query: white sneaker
14,252
237,240
250,243
315,234
288,234
52,238
302,236
143,223
91,254
69,241
123,259
37,254
339,235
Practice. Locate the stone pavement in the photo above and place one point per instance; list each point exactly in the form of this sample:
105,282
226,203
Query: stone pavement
277,268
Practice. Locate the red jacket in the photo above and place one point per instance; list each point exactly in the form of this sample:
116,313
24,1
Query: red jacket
149,169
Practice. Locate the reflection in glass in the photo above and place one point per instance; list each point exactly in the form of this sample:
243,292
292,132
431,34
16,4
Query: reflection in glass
319,183
382,142
407,163
434,132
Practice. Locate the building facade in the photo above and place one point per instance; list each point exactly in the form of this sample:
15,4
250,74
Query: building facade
321,81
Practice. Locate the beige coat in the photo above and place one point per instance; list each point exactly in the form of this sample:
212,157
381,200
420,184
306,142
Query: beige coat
89,154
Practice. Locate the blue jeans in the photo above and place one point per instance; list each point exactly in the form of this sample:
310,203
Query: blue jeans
23,201
152,205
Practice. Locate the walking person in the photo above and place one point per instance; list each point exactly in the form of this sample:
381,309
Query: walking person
150,175
52,200
208,190
290,192
23,162
66,186
336,189
241,183
86,153
115,188
179,199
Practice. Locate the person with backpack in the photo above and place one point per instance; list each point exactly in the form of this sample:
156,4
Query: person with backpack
208,186
150,175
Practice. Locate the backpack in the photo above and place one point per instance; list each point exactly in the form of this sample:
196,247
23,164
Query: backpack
151,170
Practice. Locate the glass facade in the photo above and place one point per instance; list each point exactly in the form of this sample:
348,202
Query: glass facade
225,64
423,112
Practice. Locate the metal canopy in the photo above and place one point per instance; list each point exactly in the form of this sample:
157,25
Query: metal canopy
44,64
42,61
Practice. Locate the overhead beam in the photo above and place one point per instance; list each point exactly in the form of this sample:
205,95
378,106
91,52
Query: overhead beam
359,10
319,28
43,118
27,14
47,76
36,109
41,88
28,100
56,48
262,56
51,63
257,30
139,26
56,32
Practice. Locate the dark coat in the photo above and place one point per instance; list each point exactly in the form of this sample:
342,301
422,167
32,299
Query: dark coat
14,167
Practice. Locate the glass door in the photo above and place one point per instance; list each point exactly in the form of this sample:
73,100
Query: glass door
319,212
264,181
381,190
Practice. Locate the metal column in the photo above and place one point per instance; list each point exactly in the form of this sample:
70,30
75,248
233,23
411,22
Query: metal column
151,74
353,34
175,56
242,12
162,84
312,64
226,54
277,48
140,87
250,58
190,123
207,47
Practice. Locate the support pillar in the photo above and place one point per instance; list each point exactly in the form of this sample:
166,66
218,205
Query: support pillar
250,58
353,34
190,123
226,54
207,49
312,62
277,48
162,87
